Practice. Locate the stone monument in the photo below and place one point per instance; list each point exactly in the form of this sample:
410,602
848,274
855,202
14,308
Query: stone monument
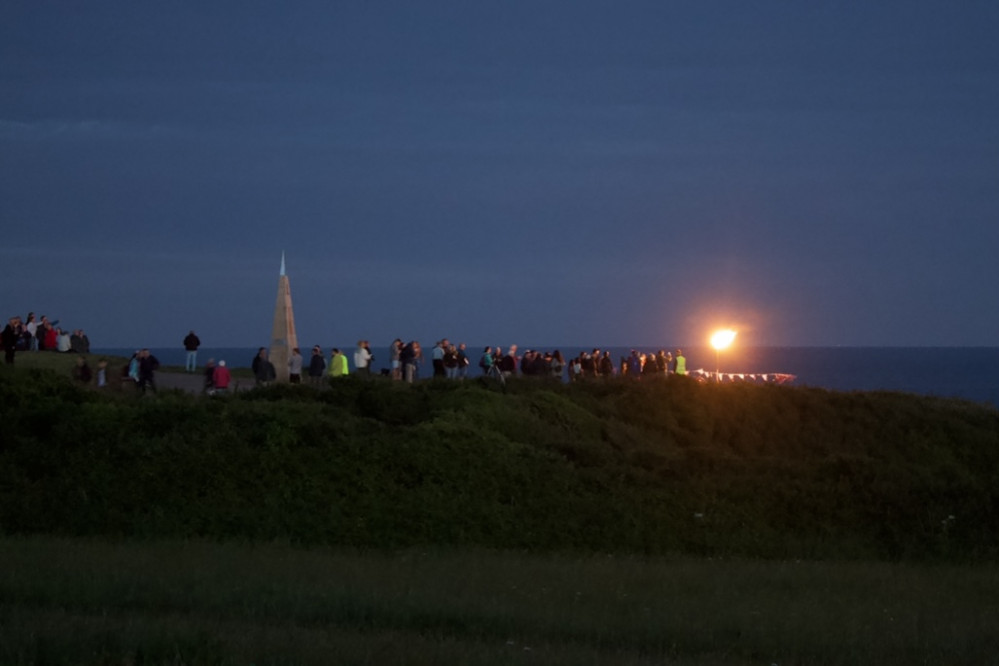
283,338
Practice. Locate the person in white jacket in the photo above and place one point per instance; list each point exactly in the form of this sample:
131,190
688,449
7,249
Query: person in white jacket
362,359
295,366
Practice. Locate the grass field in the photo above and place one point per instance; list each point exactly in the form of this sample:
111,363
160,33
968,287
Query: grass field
62,363
66,601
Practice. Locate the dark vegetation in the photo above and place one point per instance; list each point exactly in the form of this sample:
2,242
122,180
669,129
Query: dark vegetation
642,467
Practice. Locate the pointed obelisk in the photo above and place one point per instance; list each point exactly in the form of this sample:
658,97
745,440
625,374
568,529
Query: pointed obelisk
283,338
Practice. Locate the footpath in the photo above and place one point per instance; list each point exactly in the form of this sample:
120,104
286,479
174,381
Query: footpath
194,382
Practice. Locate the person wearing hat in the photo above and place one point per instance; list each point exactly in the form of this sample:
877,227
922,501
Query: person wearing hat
221,377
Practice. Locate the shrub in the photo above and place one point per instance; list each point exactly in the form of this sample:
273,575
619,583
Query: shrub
609,466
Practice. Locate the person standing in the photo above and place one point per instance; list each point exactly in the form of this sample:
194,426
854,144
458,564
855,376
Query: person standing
437,358
39,336
661,363
508,364
606,365
317,365
417,358
148,365
81,371
295,367
557,365
263,369
191,344
102,373
681,363
338,363
31,330
208,377
47,334
407,357
362,359
9,337
486,361
450,362
51,336
396,357
133,367
62,341
463,361
634,365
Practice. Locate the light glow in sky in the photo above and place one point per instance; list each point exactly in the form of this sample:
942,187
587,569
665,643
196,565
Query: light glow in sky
722,339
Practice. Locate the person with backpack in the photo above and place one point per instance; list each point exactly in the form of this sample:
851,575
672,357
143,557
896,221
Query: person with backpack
486,361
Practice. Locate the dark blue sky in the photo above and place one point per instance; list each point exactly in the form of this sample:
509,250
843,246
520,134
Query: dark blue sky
552,173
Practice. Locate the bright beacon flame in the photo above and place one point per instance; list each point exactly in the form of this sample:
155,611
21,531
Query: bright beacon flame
722,339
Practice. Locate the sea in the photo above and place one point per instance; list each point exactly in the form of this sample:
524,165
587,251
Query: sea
970,373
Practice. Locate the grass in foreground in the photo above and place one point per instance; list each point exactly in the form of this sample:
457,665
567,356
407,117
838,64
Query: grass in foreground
65,601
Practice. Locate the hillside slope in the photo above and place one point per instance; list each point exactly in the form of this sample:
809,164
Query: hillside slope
649,467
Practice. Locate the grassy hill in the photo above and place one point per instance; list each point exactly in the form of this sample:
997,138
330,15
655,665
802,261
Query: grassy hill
627,467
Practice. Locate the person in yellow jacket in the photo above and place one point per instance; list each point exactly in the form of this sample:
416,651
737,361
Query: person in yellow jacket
338,364
681,363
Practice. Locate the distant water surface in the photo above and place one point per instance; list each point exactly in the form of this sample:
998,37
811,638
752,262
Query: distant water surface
971,373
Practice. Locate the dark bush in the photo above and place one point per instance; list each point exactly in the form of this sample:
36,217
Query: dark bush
613,466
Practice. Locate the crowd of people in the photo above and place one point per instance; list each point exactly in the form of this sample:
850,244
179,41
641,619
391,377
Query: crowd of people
586,365
452,361
318,368
40,334
406,359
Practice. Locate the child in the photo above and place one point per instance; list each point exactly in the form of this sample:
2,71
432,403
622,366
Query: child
102,373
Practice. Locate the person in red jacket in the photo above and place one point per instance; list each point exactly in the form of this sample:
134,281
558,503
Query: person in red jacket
221,378
51,337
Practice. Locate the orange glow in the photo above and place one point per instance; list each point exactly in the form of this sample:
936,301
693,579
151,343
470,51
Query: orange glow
722,339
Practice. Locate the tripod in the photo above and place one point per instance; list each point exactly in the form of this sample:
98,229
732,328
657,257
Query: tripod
494,371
